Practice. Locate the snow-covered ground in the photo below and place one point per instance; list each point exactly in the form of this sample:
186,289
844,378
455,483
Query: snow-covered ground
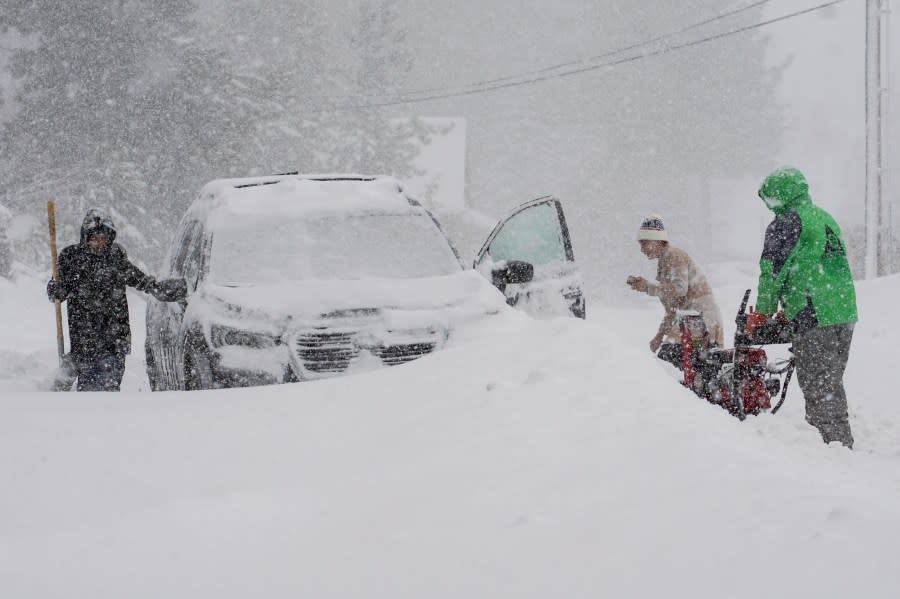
529,459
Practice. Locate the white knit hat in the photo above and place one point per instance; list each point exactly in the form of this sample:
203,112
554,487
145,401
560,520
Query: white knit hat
652,229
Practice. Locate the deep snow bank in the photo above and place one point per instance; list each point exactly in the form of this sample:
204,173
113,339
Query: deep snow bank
529,459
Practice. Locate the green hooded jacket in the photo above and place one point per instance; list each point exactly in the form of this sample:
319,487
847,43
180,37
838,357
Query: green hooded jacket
804,260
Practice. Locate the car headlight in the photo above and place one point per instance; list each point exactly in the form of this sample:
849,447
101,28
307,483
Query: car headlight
221,335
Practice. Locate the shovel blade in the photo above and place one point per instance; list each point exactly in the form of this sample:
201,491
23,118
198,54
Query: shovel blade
64,376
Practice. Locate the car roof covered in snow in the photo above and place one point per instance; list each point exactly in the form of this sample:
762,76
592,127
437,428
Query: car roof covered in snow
299,195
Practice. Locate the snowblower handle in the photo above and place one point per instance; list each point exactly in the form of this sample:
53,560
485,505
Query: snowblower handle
54,265
744,303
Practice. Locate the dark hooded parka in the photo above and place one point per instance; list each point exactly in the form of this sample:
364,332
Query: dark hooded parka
93,284
804,264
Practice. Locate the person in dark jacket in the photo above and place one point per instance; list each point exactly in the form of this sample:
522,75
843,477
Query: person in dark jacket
92,278
804,269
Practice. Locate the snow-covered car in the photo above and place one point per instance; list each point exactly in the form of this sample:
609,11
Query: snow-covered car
297,277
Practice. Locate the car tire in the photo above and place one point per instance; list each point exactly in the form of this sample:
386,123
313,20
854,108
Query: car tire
198,373
579,309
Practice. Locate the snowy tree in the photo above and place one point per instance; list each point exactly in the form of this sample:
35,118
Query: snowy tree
366,138
308,65
119,108
132,106
279,51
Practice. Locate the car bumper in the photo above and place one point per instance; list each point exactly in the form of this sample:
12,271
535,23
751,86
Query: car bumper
314,355
234,366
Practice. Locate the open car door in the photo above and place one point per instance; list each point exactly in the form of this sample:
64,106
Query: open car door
528,256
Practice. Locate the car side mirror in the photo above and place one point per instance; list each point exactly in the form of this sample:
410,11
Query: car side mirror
519,271
514,271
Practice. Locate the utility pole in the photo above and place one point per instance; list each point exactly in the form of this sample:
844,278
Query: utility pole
879,236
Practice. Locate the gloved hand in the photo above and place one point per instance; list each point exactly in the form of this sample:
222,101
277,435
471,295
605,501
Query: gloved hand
754,320
170,290
637,283
55,291
656,342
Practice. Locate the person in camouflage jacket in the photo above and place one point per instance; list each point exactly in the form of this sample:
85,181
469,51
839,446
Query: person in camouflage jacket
804,270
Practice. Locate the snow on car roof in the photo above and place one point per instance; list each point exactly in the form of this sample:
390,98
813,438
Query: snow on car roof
297,195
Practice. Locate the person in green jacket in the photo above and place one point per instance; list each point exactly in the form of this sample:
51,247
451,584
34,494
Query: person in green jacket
804,269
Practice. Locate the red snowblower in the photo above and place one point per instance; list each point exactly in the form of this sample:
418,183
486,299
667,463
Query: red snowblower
741,380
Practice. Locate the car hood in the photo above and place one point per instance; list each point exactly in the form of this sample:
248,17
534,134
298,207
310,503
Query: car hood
465,290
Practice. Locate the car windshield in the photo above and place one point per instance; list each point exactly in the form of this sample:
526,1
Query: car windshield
335,247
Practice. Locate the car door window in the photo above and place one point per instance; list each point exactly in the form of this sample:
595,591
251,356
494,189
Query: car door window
533,235
193,261
184,247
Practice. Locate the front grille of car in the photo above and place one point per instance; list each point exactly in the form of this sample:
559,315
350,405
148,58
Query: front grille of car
401,354
326,352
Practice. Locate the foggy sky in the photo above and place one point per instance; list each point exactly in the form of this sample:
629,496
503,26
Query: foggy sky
821,92
555,137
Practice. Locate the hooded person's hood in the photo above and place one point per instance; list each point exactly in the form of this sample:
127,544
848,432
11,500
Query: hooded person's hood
96,220
784,190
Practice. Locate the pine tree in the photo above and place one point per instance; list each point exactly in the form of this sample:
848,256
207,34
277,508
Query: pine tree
279,53
367,139
120,108
132,106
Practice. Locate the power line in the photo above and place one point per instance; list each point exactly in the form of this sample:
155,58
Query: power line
555,67
486,86
539,78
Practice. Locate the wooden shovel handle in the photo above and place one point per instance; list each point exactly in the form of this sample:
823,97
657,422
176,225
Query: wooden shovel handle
54,265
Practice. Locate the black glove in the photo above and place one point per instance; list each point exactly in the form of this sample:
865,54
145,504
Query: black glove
170,290
55,291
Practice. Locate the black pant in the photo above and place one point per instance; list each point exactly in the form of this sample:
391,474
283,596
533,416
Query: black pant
101,374
821,354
